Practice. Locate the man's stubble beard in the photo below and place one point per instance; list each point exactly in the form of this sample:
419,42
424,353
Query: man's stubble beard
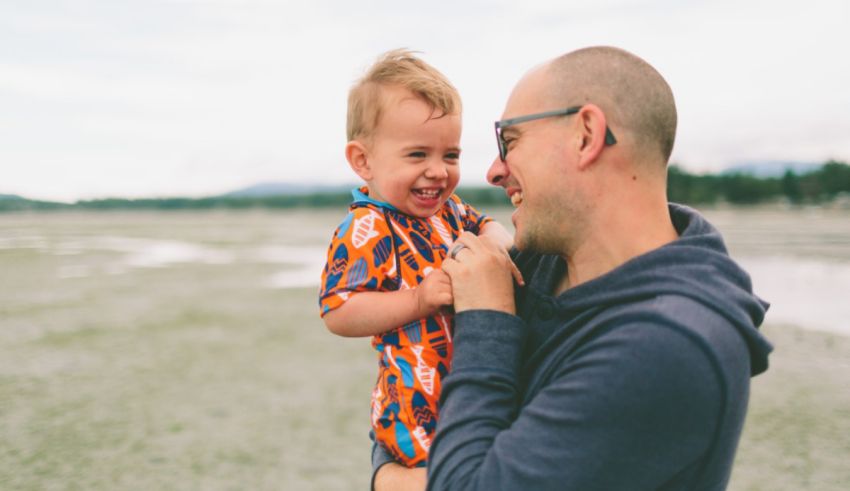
553,227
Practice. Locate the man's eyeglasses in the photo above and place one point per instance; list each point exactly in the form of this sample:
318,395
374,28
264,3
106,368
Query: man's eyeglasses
500,125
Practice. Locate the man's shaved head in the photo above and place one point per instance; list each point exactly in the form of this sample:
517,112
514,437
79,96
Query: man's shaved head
633,95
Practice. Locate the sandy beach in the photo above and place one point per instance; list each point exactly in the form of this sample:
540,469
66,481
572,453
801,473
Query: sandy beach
146,352
797,434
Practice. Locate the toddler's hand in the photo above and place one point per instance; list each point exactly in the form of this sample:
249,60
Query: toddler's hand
515,272
434,292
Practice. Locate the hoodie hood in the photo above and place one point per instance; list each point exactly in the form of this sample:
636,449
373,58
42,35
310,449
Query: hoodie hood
696,265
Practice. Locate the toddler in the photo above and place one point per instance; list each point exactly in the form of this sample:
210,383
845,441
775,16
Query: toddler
383,276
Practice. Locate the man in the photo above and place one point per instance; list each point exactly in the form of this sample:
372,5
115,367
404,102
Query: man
625,362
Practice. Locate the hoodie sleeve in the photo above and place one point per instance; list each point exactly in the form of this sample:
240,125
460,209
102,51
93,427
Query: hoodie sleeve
633,406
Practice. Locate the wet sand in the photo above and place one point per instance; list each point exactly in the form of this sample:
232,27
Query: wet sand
797,434
191,370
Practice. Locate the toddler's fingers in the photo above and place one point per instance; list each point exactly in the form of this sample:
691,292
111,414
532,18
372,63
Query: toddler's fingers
516,274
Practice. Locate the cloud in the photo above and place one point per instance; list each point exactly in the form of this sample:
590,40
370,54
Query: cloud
192,95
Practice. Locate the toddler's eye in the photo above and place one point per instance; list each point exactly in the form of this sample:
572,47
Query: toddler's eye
452,156
417,155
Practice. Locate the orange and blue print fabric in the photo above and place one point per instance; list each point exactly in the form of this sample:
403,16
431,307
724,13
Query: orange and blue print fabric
378,248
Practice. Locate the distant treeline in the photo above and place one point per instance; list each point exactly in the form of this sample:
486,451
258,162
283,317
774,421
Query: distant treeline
335,199
818,186
327,199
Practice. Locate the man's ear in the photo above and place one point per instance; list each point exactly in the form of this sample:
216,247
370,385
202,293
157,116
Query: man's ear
592,134
356,154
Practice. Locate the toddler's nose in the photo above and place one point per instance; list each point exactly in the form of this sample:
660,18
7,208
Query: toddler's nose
436,170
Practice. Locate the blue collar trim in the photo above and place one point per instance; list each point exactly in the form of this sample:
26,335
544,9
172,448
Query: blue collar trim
362,198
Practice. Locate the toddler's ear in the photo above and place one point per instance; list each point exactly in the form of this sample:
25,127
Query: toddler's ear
356,154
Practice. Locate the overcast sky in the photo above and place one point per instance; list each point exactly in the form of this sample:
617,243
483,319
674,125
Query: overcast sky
194,97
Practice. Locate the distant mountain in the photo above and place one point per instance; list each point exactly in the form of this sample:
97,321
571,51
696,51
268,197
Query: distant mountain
745,183
772,168
13,202
286,188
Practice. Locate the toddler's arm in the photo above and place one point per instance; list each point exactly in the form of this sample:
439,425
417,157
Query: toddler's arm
371,313
498,233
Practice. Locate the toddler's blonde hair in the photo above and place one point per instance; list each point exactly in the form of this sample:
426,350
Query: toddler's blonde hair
399,67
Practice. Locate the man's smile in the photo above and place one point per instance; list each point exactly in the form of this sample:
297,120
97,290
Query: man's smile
516,199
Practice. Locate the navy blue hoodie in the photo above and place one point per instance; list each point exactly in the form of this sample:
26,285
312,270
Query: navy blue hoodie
638,379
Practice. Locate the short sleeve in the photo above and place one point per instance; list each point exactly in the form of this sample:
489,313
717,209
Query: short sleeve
471,220
360,258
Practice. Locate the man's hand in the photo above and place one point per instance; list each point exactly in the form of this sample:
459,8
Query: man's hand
481,275
434,292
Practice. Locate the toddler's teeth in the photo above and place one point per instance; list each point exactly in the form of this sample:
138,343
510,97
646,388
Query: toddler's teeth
428,193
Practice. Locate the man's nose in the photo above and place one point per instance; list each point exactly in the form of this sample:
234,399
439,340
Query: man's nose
498,172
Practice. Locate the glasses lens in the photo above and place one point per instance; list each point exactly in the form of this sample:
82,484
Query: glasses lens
503,148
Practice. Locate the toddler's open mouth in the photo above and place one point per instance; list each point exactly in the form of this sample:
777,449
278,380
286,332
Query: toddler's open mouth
428,193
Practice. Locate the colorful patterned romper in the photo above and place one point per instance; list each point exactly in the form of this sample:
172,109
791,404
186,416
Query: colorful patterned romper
378,248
